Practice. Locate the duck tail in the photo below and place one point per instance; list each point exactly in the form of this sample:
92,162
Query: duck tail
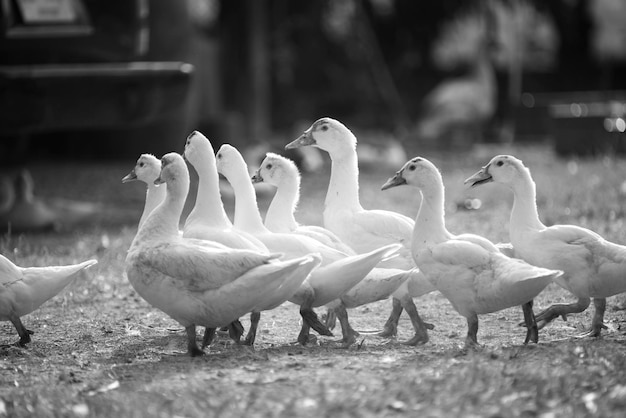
334,280
46,282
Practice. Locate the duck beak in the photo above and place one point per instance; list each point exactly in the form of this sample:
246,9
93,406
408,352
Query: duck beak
396,180
480,177
304,140
132,176
257,177
159,180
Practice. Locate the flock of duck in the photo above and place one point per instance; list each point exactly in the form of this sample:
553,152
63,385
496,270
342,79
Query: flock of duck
214,271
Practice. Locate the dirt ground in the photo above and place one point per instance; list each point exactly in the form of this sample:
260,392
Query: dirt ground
100,350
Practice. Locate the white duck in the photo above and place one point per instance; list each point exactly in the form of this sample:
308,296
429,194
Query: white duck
594,268
338,272
364,229
283,174
467,269
379,284
200,282
147,170
208,219
24,289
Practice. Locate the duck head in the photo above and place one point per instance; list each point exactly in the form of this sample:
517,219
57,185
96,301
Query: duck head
147,169
230,162
501,169
173,170
198,149
417,172
328,134
275,170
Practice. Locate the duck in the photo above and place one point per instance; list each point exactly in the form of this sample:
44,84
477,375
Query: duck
365,229
338,272
147,170
283,173
24,289
468,269
593,267
200,282
28,213
208,219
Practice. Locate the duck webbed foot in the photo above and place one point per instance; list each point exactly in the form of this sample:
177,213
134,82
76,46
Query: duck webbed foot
209,335
21,331
471,341
255,317
391,326
532,331
349,334
560,309
597,323
235,330
192,345
420,327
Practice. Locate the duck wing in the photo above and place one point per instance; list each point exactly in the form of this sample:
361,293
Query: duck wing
200,267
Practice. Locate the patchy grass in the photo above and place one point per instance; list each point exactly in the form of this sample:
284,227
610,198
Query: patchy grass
100,350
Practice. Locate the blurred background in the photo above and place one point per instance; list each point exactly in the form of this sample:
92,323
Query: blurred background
104,79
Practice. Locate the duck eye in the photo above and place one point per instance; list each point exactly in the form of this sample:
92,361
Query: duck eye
141,164
324,127
219,156
499,163
412,168
268,166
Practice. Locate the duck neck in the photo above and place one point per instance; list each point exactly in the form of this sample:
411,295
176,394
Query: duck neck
280,214
343,188
154,196
208,209
524,215
247,216
430,227
162,222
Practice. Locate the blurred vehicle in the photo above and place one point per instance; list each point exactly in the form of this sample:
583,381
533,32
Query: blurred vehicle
109,77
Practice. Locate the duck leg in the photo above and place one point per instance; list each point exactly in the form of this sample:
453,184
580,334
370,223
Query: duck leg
562,310
330,319
255,317
310,317
209,334
532,333
471,341
420,327
597,323
235,330
349,334
21,330
192,346
391,326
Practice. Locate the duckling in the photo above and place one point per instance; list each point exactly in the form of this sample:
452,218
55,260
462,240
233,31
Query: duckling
362,229
338,272
594,267
24,289
467,269
199,282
